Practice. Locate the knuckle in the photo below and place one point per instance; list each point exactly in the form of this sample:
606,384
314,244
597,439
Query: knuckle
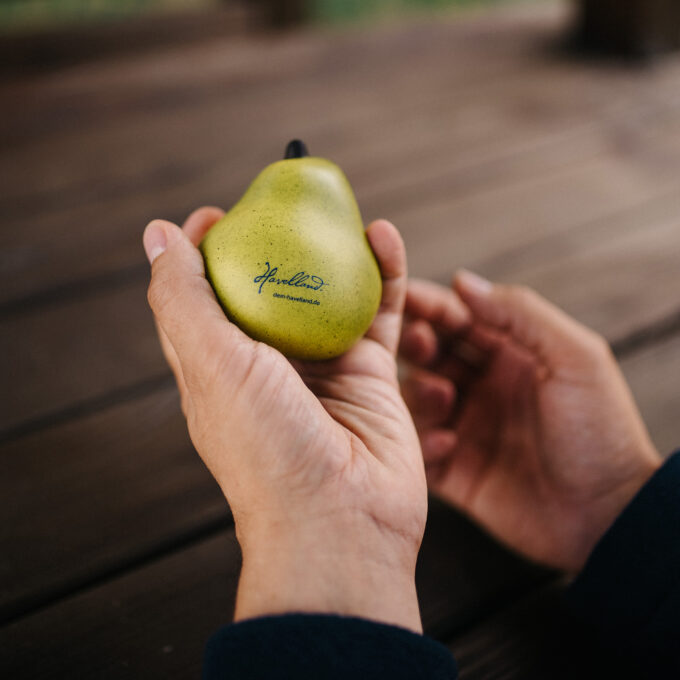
519,295
158,295
599,344
524,295
596,348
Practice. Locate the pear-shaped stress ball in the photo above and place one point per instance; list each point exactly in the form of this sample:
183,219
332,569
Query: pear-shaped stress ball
290,262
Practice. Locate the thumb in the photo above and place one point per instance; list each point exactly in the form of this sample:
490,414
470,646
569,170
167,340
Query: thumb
179,294
529,319
389,250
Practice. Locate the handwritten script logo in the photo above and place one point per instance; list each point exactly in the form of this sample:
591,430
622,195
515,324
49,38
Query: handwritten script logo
299,280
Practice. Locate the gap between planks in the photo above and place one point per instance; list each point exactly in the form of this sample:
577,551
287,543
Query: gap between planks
624,347
650,190
390,187
644,367
194,176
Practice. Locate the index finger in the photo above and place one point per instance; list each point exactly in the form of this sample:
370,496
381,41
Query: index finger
439,306
197,225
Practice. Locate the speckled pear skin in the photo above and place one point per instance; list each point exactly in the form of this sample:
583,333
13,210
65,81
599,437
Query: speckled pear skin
290,262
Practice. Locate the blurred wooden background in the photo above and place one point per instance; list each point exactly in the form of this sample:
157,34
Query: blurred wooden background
488,145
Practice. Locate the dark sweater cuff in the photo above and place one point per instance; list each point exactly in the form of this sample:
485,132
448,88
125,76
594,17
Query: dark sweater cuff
323,647
629,591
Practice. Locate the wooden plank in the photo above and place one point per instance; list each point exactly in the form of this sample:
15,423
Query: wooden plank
47,49
245,84
192,591
615,273
107,229
154,621
637,173
254,63
652,375
91,496
134,471
610,222
168,608
96,184
59,356
473,229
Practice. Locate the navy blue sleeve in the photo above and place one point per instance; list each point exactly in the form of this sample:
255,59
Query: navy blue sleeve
628,594
323,647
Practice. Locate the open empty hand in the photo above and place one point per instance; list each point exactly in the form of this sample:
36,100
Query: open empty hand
320,462
525,420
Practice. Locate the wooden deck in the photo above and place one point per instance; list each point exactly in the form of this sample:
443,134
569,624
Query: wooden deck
486,146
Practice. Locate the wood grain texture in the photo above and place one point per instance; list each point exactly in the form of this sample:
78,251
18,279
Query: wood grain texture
480,165
25,51
62,354
92,496
154,621
653,377
91,158
510,160
616,273
125,143
88,498
492,227
520,211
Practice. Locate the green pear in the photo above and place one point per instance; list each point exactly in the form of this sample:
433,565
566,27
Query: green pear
290,262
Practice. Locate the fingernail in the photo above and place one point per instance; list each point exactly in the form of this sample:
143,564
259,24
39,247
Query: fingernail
154,240
474,283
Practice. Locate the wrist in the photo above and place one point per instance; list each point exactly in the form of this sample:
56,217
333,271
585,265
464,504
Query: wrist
350,571
614,503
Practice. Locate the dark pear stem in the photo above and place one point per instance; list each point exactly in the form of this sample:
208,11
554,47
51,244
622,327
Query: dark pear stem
296,149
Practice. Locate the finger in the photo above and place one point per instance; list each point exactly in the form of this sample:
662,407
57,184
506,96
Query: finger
480,341
181,297
435,473
200,221
389,250
436,304
458,372
437,445
458,358
429,397
419,343
529,319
